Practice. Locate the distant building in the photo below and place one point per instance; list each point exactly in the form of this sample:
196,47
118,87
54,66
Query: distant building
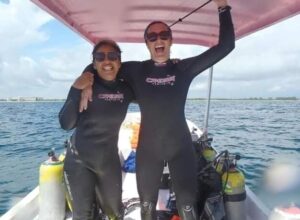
286,98
25,99
14,99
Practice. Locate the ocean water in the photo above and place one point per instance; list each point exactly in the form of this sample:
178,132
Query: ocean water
261,131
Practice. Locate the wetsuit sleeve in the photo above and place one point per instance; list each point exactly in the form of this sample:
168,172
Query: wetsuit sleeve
132,95
195,65
69,114
125,71
90,68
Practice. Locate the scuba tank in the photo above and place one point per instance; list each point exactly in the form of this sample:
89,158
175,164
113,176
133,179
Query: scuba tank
210,199
61,158
209,154
233,182
52,191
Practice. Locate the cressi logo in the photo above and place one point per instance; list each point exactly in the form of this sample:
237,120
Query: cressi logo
169,80
112,97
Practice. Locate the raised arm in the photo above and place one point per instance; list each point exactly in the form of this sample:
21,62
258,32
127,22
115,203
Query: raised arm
195,65
69,114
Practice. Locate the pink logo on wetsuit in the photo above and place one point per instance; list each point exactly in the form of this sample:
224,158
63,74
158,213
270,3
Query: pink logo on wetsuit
170,80
119,97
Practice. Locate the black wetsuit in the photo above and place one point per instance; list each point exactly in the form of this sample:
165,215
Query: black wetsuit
93,159
161,92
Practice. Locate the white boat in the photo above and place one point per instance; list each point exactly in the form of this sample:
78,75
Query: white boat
125,22
28,207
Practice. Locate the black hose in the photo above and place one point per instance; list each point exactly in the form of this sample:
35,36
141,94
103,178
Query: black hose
196,9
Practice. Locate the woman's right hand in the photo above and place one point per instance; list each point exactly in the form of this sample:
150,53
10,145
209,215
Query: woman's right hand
86,97
84,82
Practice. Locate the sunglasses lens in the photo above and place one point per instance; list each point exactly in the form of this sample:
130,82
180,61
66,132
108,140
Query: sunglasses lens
165,35
100,56
152,36
112,56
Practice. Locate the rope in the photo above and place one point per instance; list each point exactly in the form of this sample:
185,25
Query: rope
181,19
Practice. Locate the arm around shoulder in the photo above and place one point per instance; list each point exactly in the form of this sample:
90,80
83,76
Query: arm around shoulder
90,68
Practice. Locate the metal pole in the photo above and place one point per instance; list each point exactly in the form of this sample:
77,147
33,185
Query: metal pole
210,76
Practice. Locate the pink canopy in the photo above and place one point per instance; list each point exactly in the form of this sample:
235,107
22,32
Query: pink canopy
125,20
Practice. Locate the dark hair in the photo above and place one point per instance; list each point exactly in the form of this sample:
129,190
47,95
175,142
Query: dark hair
107,42
156,22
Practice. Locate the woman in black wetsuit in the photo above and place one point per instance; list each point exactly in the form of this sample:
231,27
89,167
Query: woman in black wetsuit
93,160
161,88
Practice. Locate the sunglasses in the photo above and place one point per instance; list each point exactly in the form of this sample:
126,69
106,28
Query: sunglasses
163,35
111,56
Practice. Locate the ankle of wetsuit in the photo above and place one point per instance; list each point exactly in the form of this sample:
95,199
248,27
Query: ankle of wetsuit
148,211
187,212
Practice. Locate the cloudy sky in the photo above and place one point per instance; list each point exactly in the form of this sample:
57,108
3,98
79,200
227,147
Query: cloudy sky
41,57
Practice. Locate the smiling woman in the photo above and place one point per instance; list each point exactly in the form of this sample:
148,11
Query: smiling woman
106,61
158,37
161,88
93,155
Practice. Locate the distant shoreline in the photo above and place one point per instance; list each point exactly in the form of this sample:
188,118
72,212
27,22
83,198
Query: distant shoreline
193,99
254,99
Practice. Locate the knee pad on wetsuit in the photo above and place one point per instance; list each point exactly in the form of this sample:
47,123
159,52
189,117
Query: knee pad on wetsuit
148,211
187,212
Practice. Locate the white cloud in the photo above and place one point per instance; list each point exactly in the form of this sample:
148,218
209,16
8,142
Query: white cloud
21,75
68,63
263,64
19,25
275,89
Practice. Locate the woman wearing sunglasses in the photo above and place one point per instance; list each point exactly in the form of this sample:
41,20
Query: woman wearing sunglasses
93,160
161,88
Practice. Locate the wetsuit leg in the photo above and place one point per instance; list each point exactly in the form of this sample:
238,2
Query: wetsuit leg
149,172
183,176
81,185
109,188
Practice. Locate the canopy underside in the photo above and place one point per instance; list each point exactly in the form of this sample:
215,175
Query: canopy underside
125,20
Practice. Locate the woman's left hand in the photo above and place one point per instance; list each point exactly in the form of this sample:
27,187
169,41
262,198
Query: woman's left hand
220,3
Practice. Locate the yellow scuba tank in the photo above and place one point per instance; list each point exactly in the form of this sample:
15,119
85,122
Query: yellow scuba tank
223,162
233,182
209,153
61,158
52,191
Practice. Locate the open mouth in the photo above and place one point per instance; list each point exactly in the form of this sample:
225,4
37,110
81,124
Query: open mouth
108,68
159,49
